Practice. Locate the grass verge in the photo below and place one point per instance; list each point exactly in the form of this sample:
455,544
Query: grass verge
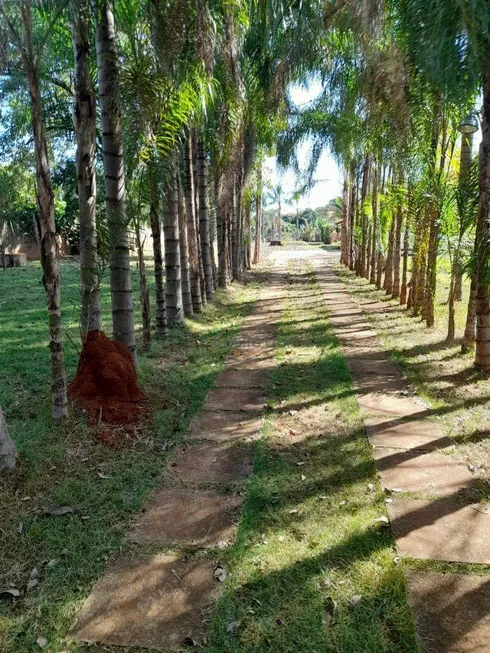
313,567
66,466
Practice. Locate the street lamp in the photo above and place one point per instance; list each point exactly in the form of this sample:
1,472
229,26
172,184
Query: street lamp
469,124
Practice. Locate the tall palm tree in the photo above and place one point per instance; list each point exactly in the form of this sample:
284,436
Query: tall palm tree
115,191
84,122
30,55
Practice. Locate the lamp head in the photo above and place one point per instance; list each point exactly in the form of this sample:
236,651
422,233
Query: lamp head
469,124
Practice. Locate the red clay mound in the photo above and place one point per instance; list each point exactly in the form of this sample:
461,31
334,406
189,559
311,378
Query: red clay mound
106,384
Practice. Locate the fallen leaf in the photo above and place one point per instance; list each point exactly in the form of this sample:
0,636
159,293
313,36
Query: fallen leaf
371,487
51,563
9,591
294,511
354,600
293,412
57,511
20,528
327,583
383,519
101,475
281,538
388,500
34,573
42,642
303,477
220,573
32,583
302,463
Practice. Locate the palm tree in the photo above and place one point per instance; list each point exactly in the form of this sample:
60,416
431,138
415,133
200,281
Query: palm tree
30,56
84,121
175,310
115,191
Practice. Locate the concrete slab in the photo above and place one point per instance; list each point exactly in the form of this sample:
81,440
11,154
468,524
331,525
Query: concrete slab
382,366
413,471
153,603
248,360
451,611
243,379
186,517
386,404
225,426
409,434
441,530
213,463
235,399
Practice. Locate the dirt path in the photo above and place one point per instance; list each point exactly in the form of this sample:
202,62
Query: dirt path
431,499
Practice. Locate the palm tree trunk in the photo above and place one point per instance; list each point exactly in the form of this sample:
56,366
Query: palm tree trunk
396,253
450,322
144,291
388,284
204,220
173,295
156,232
428,313
364,217
84,117
258,217
368,252
379,271
352,219
468,341
246,234
45,206
374,203
482,349
110,111
192,240
344,229
8,450
235,267
406,245
184,257
212,234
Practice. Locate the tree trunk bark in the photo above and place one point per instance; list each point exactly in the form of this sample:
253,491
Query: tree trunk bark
184,257
364,217
396,253
464,167
352,220
451,299
192,240
84,118
144,291
8,450
482,349
45,205
406,245
379,271
374,202
344,230
468,341
388,284
156,232
258,217
235,242
204,220
173,295
112,149
430,294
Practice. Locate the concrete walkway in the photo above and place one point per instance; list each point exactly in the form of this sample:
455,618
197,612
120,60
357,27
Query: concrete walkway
432,517
164,600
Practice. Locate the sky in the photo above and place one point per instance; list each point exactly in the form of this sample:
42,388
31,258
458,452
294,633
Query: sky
328,175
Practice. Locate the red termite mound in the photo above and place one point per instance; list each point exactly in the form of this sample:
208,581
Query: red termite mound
106,384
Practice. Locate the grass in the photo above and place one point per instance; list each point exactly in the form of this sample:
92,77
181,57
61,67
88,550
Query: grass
458,393
312,570
66,465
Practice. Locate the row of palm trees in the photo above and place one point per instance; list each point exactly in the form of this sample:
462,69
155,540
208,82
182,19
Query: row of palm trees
399,80
187,100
